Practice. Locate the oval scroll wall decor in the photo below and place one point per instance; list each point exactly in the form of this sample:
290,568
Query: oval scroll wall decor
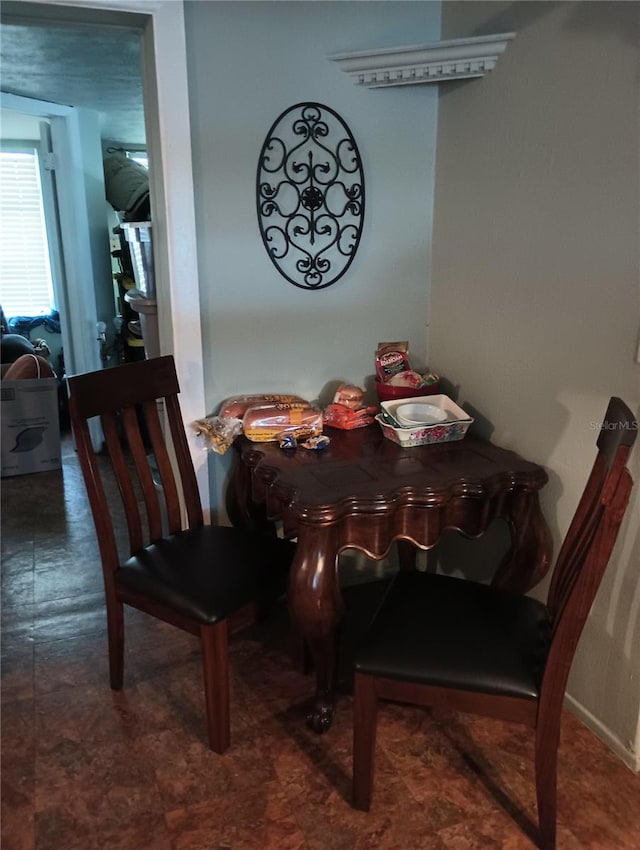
310,195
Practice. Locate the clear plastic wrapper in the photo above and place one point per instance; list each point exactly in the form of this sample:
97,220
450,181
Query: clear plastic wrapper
350,396
316,444
348,411
217,433
236,406
266,422
339,416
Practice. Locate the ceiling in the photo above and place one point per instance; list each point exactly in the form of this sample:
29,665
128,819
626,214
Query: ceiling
92,65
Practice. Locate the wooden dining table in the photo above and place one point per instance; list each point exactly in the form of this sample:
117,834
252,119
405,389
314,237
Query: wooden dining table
365,492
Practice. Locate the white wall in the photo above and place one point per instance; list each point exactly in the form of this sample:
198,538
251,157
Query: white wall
535,297
248,62
17,127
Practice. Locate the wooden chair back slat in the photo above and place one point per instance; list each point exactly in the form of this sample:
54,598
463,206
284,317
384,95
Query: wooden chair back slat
145,476
97,498
164,467
187,473
586,505
120,467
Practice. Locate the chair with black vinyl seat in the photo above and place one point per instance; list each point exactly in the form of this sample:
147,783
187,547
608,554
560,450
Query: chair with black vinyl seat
445,642
201,578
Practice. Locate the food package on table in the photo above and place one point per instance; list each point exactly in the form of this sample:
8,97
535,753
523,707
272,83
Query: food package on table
392,358
393,367
219,432
348,411
263,423
236,406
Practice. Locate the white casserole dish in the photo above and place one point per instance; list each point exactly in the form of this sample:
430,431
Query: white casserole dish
454,426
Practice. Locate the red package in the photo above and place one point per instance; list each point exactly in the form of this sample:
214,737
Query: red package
340,416
392,358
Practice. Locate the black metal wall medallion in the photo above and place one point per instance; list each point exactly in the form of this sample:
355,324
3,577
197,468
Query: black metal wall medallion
310,195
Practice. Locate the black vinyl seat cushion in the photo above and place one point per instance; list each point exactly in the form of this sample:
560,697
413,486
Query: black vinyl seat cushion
437,630
210,572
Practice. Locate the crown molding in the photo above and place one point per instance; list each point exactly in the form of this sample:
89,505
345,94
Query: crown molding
457,59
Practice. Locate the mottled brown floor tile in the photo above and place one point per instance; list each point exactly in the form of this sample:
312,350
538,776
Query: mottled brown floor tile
17,587
16,673
85,789
55,831
18,774
258,818
185,770
56,583
16,543
73,615
69,661
17,822
17,629
495,832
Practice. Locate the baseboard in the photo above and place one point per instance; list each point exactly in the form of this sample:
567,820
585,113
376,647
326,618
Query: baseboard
632,760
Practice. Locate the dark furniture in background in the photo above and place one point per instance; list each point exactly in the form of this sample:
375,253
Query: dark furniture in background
200,578
365,492
445,642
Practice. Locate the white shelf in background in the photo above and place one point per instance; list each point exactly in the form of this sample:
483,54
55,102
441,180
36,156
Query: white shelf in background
457,59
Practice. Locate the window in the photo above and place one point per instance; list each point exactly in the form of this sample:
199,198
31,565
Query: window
25,274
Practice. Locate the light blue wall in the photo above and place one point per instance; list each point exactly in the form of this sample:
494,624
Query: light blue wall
248,62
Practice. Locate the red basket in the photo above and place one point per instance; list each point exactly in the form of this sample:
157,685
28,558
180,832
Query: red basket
389,393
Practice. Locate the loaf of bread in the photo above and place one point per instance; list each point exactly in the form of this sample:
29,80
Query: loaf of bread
265,422
236,406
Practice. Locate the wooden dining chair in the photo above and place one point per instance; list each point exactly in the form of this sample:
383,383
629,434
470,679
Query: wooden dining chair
445,642
200,578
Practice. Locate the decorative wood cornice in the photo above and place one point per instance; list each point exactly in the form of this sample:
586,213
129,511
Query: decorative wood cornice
457,59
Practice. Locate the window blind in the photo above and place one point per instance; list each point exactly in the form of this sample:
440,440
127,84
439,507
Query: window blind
25,275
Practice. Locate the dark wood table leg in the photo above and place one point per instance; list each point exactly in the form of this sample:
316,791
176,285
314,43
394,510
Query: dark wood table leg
530,556
317,608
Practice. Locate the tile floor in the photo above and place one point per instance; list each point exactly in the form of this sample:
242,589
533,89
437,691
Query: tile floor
84,767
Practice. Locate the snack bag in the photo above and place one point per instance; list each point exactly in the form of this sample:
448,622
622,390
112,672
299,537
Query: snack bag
392,358
339,416
394,368
217,433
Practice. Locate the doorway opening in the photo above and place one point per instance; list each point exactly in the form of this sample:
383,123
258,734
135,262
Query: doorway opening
82,108
168,136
